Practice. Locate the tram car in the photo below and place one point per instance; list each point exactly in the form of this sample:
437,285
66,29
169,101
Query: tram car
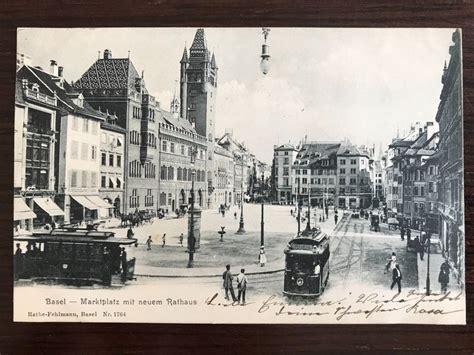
73,255
307,264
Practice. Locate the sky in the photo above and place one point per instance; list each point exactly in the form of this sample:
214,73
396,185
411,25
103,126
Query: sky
325,84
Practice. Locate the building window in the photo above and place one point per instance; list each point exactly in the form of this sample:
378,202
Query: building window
84,151
103,181
170,173
342,161
85,125
182,149
342,191
431,170
111,183
180,174
164,146
84,179
305,181
111,160
172,147
73,178
104,159
118,183
93,152
119,161
286,161
422,191
342,181
430,187
163,199
163,173
94,125
148,198
342,171
352,181
353,161
74,150
286,171
93,179
353,171
134,199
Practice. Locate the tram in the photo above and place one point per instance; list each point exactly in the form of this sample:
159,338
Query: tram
307,264
73,255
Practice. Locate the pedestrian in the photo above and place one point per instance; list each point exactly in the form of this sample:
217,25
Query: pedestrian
130,233
123,260
18,262
181,237
408,234
164,240
262,258
227,276
235,215
241,285
397,278
291,212
443,277
106,267
148,243
335,218
327,211
391,262
402,233
418,247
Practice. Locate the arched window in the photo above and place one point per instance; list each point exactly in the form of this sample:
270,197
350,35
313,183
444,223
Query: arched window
185,174
162,199
163,173
170,173
180,174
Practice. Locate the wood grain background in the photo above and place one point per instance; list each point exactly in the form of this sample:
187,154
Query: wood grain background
139,338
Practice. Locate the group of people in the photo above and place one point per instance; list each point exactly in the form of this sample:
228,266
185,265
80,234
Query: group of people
149,241
443,276
114,261
242,282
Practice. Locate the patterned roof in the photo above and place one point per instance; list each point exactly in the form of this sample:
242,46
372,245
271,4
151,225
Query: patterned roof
118,73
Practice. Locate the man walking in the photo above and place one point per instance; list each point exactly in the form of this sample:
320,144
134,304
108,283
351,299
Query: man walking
402,233
181,237
335,218
148,243
164,240
397,278
227,276
123,260
241,285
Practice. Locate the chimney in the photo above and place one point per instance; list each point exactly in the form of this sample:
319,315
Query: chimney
53,67
107,54
60,71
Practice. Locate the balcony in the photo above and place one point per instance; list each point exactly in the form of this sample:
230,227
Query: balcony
36,95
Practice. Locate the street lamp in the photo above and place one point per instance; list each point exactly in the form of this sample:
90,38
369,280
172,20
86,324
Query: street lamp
428,236
265,62
241,229
299,208
262,237
191,239
308,225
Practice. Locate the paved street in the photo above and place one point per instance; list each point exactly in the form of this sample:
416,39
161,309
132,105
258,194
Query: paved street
358,255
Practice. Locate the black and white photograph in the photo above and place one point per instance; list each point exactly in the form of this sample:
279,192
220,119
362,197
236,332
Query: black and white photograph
239,175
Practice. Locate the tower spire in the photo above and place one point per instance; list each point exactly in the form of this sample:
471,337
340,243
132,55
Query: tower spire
184,58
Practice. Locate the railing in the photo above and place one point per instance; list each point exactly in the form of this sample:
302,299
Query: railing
36,95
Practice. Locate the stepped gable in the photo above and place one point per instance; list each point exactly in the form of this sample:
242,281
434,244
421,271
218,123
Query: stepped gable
112,73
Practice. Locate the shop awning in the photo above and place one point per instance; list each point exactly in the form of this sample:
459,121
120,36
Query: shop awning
84,201
48,205
96,200
21,210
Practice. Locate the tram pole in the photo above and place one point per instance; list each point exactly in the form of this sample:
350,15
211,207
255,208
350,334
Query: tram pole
308,225
298,206
262,223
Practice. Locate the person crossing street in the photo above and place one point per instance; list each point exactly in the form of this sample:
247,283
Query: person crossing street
241,286
397,278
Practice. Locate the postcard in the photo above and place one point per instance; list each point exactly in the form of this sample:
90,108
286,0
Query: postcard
239,175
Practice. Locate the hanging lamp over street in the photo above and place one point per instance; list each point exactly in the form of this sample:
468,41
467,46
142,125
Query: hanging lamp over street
265,62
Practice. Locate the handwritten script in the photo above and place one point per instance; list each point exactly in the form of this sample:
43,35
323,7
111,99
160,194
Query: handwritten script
348,308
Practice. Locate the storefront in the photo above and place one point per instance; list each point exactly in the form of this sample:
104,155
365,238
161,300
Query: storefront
47,211
22,214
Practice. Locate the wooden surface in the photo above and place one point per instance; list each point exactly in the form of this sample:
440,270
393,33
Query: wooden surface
120,338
